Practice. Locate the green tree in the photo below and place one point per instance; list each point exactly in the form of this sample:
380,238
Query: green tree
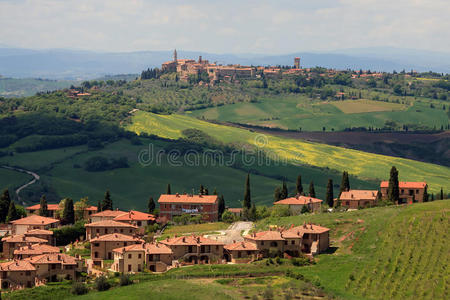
80,207
221,205
12,213
201,191
329,196
5,201
345,183
99,206
247,198
107,202
253,213
284,191
228,217
393,192
168,189
43,207
277,194
298,185
425,195
151,205
441,196
312,191
68,216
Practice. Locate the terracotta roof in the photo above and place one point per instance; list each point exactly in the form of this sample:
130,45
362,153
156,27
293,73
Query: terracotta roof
39,232
91,208
109,213
52,258
36,249
271,235
134,215
190,240
305,228
356,195
113,237
300,200
406,185
153,248
35,220
235,210
21,238
242,246
109,223
177,198
38,206
17,265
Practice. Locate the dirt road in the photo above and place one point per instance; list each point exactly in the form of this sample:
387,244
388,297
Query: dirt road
235,232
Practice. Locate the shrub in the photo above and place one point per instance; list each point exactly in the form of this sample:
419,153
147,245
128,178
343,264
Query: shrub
268,293
300,261
102,284
125,280
228,217
79,288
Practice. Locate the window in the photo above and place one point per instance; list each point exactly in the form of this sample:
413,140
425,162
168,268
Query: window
27,273
403,191
285,242
121,230
293,242
139,223
97,230
96,254
417,191
262,243
139,255
96,244
129,268
129,256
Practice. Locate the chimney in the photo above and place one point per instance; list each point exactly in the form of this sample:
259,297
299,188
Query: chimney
184,239
234,241
177,195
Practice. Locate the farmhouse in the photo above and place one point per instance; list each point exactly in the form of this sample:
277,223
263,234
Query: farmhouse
156,257
23,225
53,265
409,191
42,234
240,252
106,215
268,243
102,246
14,242
175,205
137,218
296,204
107,227
34,249
17,274
195,249
314,238
359,198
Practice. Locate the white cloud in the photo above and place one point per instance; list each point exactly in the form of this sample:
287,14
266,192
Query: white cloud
263,26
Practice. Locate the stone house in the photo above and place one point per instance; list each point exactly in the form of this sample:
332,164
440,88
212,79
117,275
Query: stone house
195,249
240,252
106,215
14,242
102,246
35,249
314,238
107,227
137,218
296,204
42,234
176,205
355,199
17,274
268,243
410,192
23,225
53,265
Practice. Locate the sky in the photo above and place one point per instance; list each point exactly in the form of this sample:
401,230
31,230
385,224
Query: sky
230,26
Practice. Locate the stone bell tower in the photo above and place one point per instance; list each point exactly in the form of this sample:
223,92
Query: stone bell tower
175,55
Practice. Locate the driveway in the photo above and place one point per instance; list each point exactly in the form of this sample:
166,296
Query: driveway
232,233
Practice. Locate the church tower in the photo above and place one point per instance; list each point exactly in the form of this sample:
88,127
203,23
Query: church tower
175,55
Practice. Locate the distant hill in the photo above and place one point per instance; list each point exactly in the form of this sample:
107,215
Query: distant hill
77,64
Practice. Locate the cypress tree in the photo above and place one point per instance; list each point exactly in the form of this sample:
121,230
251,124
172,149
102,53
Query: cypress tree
298,185
393,188
68,212
12,213
425,194
329,196
43,207
253,213
99,206
168,189
312,191
277,194
284,191
202,190
107,202
442,194
432,197
151,205
247,198
221,206
5,201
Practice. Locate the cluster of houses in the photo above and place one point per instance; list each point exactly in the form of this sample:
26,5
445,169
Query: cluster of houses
117,238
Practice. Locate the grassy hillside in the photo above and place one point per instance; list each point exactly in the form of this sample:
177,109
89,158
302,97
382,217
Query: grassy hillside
361,164
13,87
298,111
397,252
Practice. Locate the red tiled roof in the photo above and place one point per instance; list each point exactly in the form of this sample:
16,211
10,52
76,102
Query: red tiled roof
38,232
37,249
266,236
153,248
241,246
109,213
35,220
177,198
17,265
356,195
190,240
38,206
21,238
134,215
300,200
406,184
52,258
305,228
109,223
116,237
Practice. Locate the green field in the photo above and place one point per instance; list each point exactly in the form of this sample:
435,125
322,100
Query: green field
298,111
11,179
366,166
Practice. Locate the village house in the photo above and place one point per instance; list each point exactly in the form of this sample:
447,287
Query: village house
296,204
42,234
156,257
53,265
355,199
195,249
107,227
176,205
17,274
240,252
102,246
409,191
14,242
106,215
23,225
268,243
237,212
53,209
34,249
314,238
137,218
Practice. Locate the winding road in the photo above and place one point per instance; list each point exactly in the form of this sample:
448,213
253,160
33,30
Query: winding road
36,177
